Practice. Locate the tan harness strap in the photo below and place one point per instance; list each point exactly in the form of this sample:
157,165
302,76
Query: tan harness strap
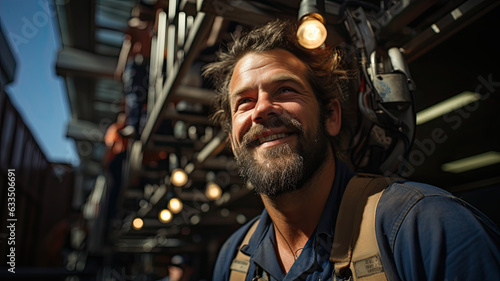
241,263
355,243
355,250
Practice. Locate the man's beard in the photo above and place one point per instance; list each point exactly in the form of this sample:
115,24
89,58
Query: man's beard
284,168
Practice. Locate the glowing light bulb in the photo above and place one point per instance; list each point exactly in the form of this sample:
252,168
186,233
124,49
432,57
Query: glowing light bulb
137,223
213,191
175,205
179,177
165,216
311,33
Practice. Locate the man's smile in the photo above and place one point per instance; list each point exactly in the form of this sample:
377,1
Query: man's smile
267,137
272,140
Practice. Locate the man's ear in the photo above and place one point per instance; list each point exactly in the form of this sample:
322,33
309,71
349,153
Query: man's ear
333,117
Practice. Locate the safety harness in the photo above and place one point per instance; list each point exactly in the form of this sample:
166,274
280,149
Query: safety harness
355,251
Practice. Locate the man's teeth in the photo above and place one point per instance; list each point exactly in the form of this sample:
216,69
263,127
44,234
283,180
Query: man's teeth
271,138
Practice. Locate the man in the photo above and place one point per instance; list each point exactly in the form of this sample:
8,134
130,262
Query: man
280,106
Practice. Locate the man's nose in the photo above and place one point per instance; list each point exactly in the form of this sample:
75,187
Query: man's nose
265,108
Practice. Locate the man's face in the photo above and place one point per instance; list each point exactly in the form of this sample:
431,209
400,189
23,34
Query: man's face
276,135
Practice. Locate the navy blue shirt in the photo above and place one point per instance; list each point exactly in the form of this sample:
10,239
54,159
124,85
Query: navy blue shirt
423,232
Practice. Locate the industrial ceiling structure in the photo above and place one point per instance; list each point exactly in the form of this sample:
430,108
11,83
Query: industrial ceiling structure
449,46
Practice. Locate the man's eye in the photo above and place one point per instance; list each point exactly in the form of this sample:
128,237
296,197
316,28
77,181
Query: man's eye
286,90
243,102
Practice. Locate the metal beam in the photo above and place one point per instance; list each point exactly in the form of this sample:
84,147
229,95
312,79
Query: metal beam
75,62
249,12
189,118
401,14
212,148
195,95
194,43
448,25
84,130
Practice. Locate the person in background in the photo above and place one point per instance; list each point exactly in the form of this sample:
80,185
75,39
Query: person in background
133,66
116,152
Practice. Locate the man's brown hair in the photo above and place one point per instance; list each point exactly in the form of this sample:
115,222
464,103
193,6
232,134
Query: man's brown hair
324,73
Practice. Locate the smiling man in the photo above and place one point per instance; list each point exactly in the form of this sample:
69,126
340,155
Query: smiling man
277,135
280,105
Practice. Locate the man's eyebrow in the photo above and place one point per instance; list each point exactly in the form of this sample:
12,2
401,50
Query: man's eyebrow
276,79
239,92
292,78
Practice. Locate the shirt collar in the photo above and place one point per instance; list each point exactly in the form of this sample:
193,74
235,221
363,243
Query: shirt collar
260,246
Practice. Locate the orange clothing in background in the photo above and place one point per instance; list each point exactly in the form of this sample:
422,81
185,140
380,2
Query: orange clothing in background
115,143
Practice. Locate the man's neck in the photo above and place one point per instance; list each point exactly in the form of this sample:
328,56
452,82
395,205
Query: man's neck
296,214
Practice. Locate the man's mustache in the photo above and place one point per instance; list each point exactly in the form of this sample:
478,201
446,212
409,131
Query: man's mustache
289,123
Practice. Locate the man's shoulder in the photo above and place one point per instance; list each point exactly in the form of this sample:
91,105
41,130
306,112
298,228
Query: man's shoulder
423,205
417,189
400,199
417,224
400,196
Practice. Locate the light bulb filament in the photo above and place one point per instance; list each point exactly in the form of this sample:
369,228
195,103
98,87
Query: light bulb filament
311,33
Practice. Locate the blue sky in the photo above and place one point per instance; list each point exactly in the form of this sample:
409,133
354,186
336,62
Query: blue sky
37,92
